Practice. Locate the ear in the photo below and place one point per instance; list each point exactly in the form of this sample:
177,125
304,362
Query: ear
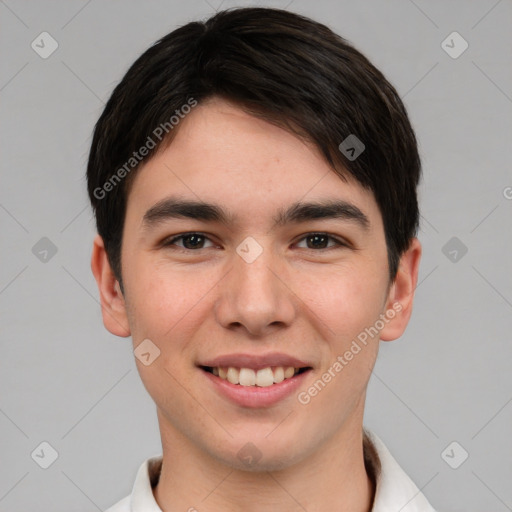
113,307
401,293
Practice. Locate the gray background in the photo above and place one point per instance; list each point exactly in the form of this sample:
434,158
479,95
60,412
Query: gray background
65,380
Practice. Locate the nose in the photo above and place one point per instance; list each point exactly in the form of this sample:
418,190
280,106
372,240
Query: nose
256,296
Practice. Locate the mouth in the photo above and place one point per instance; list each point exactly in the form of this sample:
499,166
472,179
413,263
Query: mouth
255,380
251,377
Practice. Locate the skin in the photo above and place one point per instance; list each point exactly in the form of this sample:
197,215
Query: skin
295,298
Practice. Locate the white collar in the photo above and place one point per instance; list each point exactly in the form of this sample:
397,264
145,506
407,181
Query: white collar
395,490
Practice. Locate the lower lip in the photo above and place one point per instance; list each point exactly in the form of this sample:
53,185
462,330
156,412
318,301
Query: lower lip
255,396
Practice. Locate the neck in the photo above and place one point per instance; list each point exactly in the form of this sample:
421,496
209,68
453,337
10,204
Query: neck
334,477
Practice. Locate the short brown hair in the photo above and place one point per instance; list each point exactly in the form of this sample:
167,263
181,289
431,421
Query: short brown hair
277,65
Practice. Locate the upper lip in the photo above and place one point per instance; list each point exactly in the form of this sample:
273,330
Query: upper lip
254,361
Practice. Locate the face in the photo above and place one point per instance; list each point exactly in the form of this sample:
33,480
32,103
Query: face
251,282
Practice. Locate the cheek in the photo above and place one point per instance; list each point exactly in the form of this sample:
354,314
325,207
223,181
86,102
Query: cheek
155,303
347,302
163,308
166,306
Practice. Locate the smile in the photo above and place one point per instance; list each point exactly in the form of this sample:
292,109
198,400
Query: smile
263,377
246,389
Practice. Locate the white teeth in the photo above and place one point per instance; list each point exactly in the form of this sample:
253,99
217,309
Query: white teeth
278,375
289,372
233,375
249,377
265,377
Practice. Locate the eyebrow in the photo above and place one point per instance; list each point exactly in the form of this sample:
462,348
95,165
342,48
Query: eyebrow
298,212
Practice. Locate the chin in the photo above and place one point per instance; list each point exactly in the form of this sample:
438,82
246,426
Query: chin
259,454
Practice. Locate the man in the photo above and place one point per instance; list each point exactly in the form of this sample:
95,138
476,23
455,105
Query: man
254,183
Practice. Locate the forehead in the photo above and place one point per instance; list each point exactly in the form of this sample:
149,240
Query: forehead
223,155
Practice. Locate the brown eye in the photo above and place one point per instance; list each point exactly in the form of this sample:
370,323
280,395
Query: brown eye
190,241
321,241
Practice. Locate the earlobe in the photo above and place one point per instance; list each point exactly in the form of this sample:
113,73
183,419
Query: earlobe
401,293
113,307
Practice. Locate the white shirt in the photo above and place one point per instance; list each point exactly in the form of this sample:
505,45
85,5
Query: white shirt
395,491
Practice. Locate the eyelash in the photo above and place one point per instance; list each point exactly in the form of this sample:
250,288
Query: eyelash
171,241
